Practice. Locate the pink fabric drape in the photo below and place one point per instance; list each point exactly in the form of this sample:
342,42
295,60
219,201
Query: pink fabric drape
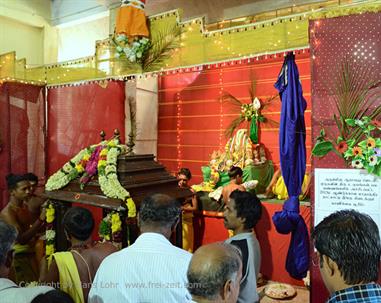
21,132
77,114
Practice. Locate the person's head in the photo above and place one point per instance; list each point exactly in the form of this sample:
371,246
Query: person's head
242,211
8,235
33,180
235,173
215,272
18,186
183,177
53,296
348,249
159,213
78,223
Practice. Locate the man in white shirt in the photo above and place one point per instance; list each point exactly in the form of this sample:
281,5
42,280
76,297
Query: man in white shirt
151,269
9,291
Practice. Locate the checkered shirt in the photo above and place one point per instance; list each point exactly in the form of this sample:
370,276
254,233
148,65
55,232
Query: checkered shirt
365,293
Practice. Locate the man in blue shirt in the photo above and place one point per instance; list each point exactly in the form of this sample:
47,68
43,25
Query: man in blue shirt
348,254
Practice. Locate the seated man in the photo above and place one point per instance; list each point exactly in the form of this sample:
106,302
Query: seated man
214,273
235,174
75,269
28,224
348,255
151,269
188,207
9,291
242,212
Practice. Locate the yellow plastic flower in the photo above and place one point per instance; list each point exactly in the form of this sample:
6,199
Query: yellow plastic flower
111,143
50,214
116,224
86,157
104,152
102,163
79,168
107,237
49,249
131,208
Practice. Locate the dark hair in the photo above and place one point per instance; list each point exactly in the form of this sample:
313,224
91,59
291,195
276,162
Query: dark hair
8,235
31,177
352,241
13,179
248,206
186,172
53,296
79,223
159,209
235,171
207,281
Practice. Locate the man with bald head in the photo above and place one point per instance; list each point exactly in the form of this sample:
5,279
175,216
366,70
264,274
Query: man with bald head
214,273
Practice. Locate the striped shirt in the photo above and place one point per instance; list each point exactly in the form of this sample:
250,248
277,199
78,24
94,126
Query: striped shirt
364,293
150,270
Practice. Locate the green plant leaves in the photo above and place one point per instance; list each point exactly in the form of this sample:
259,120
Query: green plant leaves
322,148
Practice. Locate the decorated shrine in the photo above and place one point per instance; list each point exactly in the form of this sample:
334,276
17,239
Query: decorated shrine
107,102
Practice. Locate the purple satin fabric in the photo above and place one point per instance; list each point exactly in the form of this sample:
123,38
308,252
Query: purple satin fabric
292,138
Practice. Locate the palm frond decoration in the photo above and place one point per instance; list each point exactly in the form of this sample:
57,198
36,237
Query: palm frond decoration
356,94
163,43
250,112
233,125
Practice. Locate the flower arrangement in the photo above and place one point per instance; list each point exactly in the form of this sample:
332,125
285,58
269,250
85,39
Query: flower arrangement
98,159
359,154
50,233
134,51
250,112
110,228
356,93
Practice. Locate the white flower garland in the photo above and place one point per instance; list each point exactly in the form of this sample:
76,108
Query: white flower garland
110,184
67,173
107,177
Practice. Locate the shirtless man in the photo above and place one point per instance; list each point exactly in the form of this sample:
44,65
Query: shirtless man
28,224
16,213
83,259
235,174
34,201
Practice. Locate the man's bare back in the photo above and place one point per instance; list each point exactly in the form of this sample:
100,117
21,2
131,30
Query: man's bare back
228,189
93,256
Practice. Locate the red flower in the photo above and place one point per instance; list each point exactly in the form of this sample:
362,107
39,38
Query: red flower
376,123
342,147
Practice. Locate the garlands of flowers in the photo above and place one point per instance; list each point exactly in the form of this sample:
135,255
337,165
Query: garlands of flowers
134,50
102,159
358,154
110,228
50,233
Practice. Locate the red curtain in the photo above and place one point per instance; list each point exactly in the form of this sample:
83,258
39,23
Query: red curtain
21,132
331,40
192,119
76,116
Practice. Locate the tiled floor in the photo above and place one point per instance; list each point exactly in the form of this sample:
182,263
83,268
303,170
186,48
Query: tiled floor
302,296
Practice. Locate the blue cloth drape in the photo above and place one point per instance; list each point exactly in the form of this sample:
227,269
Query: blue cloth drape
292,146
